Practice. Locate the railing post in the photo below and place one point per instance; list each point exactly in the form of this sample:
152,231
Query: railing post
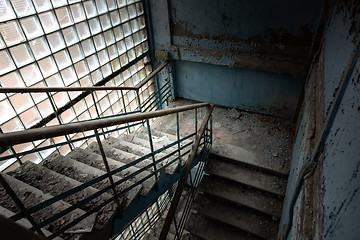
123,100
139,103
178,138
211,131
19,204
152,151
52,102
107,167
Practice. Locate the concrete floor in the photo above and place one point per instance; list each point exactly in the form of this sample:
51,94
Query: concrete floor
266,140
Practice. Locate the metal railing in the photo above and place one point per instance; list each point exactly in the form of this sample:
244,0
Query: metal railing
9,139
205,134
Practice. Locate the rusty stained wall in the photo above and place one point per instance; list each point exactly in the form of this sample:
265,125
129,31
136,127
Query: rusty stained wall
261,48
329,204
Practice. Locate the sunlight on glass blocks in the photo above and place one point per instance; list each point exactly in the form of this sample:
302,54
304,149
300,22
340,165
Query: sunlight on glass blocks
7,64
113,53
121,3
111,4
6,111
83,30
90,9
23,7
106,70
58,3
95,26
124,15
47,66
12,125
11,33
42,5
31,74
39,47
76,53
62,59
68,75
7,12
30,117
48,21
68,116
88,47
54,81
21,102
103,57
126,29
101,6
45,108
93,62
96,76
60,99
21,55
132,11
56,41
64,16
70,36
115,65
31,27
78,12
81,69
99,42
105,22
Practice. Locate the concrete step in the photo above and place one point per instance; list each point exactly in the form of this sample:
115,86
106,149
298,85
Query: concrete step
145,143
85,173
246,175
141,151
123,156
241,155
245,219
242,195
92,159
210,229
31,196
53,183
24,222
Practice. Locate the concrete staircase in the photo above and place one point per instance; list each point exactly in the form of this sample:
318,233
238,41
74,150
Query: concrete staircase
237,199
57,174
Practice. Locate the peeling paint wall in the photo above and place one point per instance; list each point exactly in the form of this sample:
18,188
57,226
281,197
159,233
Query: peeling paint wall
328,206
234,39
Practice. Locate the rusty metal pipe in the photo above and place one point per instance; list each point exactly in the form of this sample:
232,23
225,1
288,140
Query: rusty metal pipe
29,135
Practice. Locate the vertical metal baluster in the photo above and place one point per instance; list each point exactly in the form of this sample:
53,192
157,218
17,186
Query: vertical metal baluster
96,109
52,102
178,138
211,130
107,167
177,235
139,103
196,121
13,152
19,204
152,151
123,100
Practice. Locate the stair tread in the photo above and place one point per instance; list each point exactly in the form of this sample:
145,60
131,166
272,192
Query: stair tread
92,159
55,184
246,175
145,143
242,195
258,224
24,222
85,173
210,229
159,136
141,151
31,196
123,156
241,155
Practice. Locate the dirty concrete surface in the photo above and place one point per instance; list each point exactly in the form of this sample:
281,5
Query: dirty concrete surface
270,139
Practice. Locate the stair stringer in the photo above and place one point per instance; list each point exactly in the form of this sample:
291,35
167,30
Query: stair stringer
141,203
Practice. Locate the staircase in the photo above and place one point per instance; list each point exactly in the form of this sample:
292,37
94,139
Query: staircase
236,199
58,174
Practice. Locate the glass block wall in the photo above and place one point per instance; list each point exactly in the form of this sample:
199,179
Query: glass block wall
61,43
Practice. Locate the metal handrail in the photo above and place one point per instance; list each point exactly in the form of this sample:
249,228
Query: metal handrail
75,89
29,135
184,176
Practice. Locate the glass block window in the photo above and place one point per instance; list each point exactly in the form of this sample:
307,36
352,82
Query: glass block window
63,43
